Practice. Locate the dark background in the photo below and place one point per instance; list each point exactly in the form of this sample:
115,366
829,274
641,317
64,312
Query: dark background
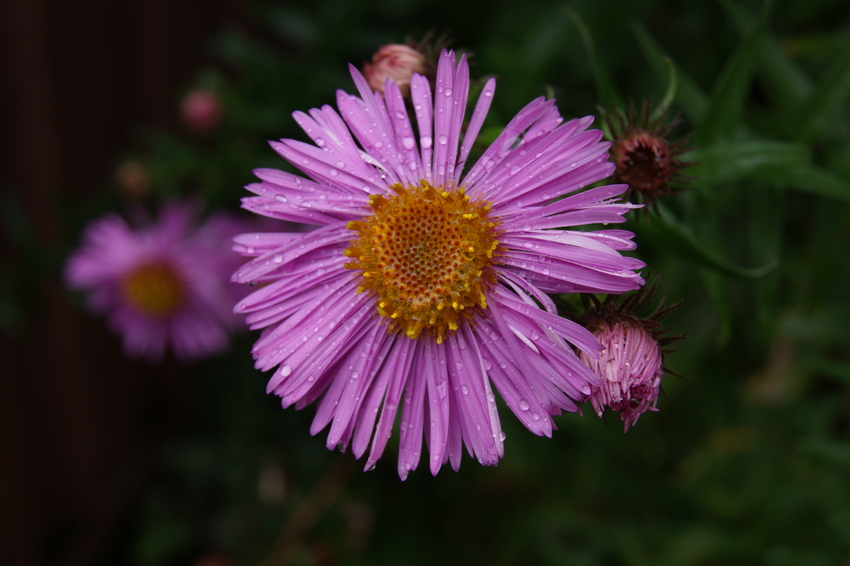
79,423
110,461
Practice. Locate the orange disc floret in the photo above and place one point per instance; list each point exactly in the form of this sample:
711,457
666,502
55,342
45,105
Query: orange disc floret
153,289
426,254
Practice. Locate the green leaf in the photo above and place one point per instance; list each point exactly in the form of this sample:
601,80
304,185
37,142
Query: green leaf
727,98
781,74
683,241
728,161
715,284
608,95
689,95
828,97
834,452
831,368
669,95
807,179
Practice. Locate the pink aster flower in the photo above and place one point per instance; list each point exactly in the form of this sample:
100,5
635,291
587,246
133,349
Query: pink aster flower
164,285
423,288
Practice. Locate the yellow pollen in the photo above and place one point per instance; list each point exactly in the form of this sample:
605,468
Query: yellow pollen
425,252
153,289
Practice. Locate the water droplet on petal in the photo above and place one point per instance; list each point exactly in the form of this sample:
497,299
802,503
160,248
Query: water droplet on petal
523,405
426,142
286,371
443,140
407,142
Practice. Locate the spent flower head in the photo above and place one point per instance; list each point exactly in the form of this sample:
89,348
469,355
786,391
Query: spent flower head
422,291
645,156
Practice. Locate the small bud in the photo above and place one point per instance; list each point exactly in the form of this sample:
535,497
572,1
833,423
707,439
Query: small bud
133,179
395,62
201,111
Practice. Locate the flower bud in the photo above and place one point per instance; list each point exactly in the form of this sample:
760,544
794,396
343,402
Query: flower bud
201,111
133,179
630,366
631,362
395,62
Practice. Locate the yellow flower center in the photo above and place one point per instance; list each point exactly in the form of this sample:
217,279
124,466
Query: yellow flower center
153,289
425,253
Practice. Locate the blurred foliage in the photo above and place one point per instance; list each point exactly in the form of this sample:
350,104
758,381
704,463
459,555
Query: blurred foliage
747,460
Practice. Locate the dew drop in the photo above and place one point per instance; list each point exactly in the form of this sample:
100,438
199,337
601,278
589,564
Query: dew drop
465,390
333,172
488,93
448,92
523,405
443,139
502,435
426,142
280,198
407,142
545,271
286,371
277,258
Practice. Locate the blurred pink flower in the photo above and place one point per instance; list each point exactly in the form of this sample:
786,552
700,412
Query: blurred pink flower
396,62
165,285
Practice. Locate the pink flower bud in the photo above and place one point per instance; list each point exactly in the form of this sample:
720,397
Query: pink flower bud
397,63
630,367
201,111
